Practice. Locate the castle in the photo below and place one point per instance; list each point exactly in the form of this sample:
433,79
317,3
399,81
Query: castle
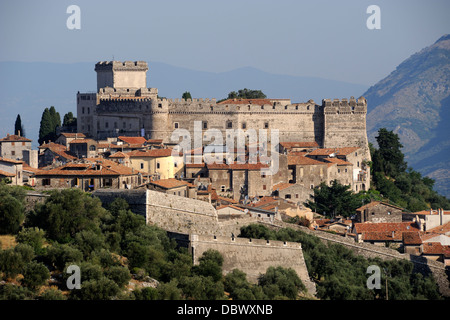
124,106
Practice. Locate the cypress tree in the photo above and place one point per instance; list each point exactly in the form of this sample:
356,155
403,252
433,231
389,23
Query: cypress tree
46,126
18,127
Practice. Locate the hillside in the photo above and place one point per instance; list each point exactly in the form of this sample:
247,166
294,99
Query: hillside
414,102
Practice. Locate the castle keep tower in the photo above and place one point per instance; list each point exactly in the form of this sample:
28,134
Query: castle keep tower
116,74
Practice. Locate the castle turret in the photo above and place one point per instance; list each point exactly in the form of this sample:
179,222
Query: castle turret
117,74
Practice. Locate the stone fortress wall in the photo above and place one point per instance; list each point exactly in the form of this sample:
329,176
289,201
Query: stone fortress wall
123,105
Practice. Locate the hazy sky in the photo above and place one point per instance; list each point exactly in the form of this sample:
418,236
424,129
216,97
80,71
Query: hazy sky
327,39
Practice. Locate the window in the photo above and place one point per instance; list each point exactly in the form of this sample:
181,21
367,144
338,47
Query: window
205,125
158,165
107,182
13,153
82,110
244,125
159,105
266,125
296,196
124,125
287,196
229,124
89,110
223,188
175,165
142,165
175,125
296,107
264,187
45,182
339,170
106,124
312,186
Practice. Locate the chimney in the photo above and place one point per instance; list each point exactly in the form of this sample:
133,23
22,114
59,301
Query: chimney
393,234
441,216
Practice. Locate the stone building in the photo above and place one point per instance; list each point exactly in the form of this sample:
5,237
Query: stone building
12,170
378,211
123,105
13,146
91,174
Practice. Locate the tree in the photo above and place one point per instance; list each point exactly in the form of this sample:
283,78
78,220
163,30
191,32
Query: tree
18,127
246,94
333,200
279,281
67,212
33,237
390,154
11,214
50,120
186,95
46,128
69,120
210,265
35,275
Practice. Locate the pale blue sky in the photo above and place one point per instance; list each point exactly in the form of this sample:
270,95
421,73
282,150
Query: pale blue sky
320,38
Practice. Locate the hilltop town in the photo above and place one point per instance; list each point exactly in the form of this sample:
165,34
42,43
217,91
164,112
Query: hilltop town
204,192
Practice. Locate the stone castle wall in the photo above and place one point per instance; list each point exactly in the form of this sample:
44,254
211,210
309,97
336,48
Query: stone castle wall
253,256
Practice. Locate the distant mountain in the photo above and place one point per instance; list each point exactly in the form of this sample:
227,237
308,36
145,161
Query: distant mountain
414,102
27,88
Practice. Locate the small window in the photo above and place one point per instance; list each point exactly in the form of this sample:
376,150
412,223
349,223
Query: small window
229,124
175,125
106,124
312,186
266,125
287,196
222,188
82,110
175,165
296,196
244,125
159,105
157,165
205,125
264,187
13,153
142,165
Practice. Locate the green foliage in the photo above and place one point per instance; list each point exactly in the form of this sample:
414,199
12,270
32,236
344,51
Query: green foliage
58,255
210,265
341,275
186,95
51,294
147,293
14,292
34,237
333,200
120,275
13,260
35,275
69,120
67,212
201,288
101,289
18,127
246,94
50,120
12,208
398,183
279,282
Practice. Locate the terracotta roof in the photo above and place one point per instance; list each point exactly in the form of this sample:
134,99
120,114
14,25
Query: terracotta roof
194,165
119,154
13,138
386,226
75,141
230,206
58,149
338,151
7,174
153,153
281,186
434,248
108,168
429,212
169,183
301,160
443,229
411,238
133,140
73,134
338,161
11,160
236,166
247,101
154,141
375,203
301,144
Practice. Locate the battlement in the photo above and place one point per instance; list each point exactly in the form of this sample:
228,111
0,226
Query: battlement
121,66
244,241
345,106
188,101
